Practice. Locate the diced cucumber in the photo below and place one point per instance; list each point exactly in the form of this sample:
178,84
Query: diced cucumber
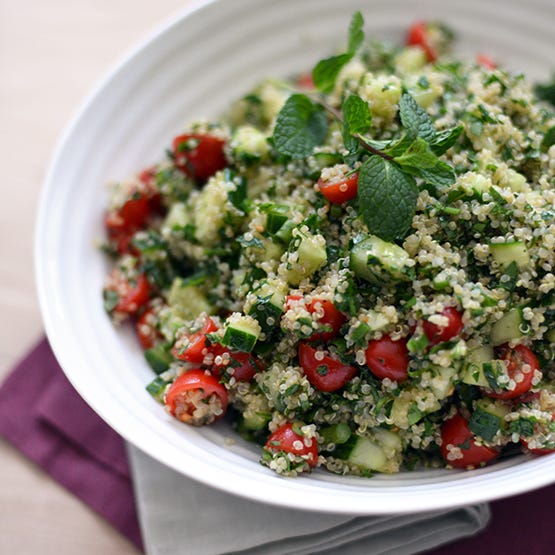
157,386
367,454
443,382
285,232
270,250
256,420
177,218
188,301
215,207
506,253
516,181
337,434
275,218
410,59
268,305
379,453
159,357
241,333
249,145
418,343
311,256
511,326
376,260
488,418
473,373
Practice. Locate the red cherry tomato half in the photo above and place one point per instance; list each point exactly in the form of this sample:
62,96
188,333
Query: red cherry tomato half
522,364
242,366
458,446
418,35
388,359
329,317
147,332
305,81
132,294
196,398
286,439
323,371
485,61
199,156
339,190
452,329
122,223
193,348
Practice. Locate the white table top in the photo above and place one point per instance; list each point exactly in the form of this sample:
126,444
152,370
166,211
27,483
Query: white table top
51,54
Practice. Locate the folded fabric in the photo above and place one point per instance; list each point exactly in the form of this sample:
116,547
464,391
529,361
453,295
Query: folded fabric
179,514
43,416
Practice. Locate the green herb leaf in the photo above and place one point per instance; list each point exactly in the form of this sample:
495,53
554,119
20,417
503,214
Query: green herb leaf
441,175
111,300
546,91
417,155
356,33
522,427
415,119
326,71
484,424
419,160
548,139
356,115
387,198
414,414
300,126
445,139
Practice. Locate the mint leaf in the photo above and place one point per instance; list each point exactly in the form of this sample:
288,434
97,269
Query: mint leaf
356,33
418,155
387,198
420,160
415,119
445,139
300,126
395,147
441,175
356,115
326,71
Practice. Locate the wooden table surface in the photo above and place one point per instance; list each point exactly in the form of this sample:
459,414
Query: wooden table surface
51,53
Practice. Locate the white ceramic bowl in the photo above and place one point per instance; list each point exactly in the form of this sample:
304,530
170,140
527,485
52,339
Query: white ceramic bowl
193,67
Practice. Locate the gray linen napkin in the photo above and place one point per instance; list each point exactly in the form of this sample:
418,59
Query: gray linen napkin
181,516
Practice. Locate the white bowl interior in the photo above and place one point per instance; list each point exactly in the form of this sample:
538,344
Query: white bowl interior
192,68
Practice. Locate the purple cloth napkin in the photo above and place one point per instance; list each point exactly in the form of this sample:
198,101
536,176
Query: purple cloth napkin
44,417
61,433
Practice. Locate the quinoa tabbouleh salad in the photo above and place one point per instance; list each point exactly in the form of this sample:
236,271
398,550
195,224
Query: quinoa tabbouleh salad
354,267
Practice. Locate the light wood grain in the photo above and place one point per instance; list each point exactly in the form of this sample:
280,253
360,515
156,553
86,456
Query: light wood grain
51,54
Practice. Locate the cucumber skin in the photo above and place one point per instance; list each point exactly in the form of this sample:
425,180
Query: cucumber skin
508,327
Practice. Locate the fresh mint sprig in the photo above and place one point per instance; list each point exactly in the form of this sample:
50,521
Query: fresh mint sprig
326,71
387,184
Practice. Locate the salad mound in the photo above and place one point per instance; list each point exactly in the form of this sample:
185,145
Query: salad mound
354,267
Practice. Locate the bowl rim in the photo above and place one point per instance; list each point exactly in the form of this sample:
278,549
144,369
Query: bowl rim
278,491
